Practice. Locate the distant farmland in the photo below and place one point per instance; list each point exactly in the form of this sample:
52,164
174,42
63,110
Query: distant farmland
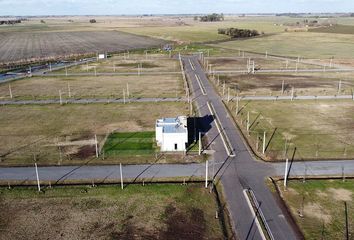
340,29
33,46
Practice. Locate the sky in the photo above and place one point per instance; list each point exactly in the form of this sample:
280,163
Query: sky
131,7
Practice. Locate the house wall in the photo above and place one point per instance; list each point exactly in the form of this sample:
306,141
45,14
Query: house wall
170,139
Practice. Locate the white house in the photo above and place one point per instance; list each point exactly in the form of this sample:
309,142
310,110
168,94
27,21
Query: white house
172,134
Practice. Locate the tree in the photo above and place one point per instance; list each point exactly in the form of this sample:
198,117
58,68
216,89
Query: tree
238,33
212,18
93,21
42,21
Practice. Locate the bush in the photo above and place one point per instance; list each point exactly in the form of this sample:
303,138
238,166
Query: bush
212,18
93,21
238,33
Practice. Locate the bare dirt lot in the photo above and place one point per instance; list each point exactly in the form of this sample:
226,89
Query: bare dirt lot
106,212
15,46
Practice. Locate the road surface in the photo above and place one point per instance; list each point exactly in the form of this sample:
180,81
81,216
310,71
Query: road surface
280,98
241,171
90,100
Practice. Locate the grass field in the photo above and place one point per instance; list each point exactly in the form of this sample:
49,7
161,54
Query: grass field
294,44
150,63
47,87
106,212
64,134
340,29
321,203
130,143
314,84
318,130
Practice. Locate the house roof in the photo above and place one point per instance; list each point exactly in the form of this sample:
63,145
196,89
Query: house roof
174,129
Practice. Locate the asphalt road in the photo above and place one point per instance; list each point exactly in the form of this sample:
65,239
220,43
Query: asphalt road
90,100
316,70
240,172
280,98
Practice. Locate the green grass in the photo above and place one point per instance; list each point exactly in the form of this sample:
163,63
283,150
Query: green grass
341,29
132,143
105,211
294,44
322,205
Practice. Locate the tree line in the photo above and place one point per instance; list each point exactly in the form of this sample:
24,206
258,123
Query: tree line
238,33
211,18
9,22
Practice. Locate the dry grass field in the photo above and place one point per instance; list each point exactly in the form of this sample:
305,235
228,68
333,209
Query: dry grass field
317,129
318,207
261,63
316,84
105,212
64,134
152,63
48,87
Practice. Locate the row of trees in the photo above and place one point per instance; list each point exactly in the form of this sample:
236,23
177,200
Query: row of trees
238,33
9,22
211,18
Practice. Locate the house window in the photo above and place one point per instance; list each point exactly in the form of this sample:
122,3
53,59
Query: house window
176,146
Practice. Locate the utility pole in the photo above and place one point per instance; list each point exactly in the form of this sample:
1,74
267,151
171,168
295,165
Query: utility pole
292,93
128,94
95,71
38,184
282,87
96,145
123,96
138,69
331,62
206,174
66,71
228,94
60,99
69,90
237,105
10,91
200,143
266,55
286,173
296,67
253,68
114,67
264,142
346,221
248,122
121,177
286,64
50,67
339,87
223,89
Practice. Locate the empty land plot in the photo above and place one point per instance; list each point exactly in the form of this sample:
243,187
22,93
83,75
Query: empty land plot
106,212
304,44
313,84
341,29
16,46
65,134
318,130
321,204
134,65
47,87
261,63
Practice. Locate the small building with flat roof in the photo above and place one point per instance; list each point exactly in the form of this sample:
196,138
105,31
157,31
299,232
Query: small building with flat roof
172,134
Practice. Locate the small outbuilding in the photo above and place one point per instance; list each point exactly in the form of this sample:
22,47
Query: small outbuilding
172,134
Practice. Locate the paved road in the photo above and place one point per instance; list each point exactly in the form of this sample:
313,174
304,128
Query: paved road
316,70
61,173
103,74
239,172
90,100
275,98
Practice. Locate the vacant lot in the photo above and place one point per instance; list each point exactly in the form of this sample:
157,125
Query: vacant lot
105,212
261,63
133,64
16,46
341,29
321,206
318,130
304,44
316,84
47,87
64,134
